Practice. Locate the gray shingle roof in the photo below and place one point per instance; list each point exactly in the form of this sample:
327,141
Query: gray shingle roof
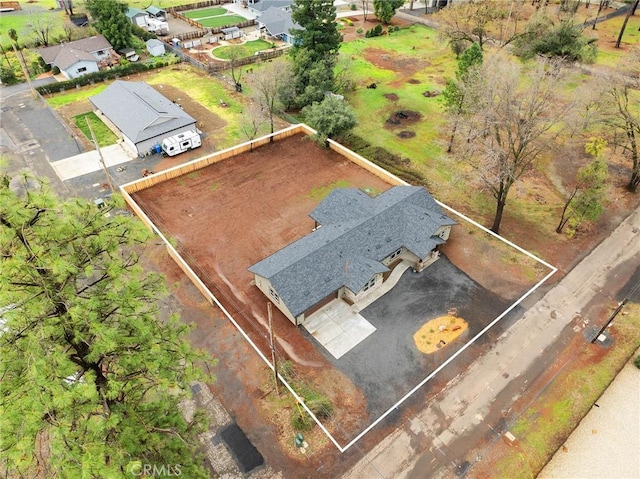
357,233
139,111
265,5
60,55
277,21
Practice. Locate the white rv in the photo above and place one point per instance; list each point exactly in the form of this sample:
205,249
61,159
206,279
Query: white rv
174,145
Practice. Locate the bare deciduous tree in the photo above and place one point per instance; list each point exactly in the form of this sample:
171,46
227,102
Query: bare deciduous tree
516,115
267,83
252,120
622,113
41,27
472,22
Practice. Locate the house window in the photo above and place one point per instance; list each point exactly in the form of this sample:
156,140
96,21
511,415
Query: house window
443,234
82,69
100,52
396,253
370,284
274,295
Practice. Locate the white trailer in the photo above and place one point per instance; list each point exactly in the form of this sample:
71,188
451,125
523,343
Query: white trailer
174,145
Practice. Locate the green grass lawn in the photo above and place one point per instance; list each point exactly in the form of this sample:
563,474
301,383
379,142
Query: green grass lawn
427,62
61,99
205,12
22,20
250,48
221,21
104,135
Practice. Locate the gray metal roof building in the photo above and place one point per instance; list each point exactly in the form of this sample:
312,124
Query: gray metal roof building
357,232
143,115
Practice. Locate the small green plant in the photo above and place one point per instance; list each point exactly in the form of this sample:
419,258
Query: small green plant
193,175
353,6
431,330
359,31
301,421
636,361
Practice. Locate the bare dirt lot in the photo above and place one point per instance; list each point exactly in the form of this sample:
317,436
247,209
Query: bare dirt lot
232,214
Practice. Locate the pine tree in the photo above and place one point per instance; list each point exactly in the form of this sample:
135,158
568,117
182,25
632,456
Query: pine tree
315,53
112,22
91,377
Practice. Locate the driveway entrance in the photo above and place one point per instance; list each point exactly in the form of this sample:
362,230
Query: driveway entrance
338,327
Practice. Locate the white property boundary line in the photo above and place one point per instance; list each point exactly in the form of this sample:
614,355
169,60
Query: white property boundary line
202,287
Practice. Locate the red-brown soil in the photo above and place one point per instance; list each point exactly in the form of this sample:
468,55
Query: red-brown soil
231,215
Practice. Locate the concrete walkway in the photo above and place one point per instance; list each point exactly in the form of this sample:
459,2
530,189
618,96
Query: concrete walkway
608,438
463,405
89,162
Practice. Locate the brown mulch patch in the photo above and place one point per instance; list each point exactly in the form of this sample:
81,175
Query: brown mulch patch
402,118
414,81
406,134
391,96
430,94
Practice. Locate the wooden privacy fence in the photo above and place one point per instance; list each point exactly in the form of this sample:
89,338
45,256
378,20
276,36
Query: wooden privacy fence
193,6
205,161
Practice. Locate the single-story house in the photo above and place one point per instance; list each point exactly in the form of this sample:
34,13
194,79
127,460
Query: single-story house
259,7
357,242
157,13
155,47
80,57
277,23
142,115
138,17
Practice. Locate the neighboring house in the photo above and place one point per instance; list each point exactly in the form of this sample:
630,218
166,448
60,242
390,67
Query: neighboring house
357,242
80,57
157,13
277,23
274,16
258,8
155,47
142,115
138,17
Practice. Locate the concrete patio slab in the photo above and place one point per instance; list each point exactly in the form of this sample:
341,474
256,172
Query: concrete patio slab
89,162
338,328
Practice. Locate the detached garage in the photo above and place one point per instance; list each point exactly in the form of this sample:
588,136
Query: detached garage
141,115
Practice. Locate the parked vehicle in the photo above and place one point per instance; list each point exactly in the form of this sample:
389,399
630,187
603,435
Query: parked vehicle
174,145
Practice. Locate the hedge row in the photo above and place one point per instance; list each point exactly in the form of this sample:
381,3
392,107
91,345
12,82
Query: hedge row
394,164
91,78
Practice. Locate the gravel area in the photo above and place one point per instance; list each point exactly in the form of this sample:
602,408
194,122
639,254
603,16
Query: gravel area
607,441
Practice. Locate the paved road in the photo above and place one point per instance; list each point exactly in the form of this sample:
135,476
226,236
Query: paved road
432,443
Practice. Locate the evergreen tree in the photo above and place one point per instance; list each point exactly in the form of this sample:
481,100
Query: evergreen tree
112,22
329,117
91,377
315,53
384,10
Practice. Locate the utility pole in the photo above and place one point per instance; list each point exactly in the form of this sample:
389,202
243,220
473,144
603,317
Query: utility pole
273,349
95,142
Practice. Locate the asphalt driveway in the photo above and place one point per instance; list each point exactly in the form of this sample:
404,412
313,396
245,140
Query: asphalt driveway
387,364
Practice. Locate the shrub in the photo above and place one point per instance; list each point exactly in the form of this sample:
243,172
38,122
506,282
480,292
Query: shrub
102,75
7,76
353,6
636,361
301,421
359,31
564,40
